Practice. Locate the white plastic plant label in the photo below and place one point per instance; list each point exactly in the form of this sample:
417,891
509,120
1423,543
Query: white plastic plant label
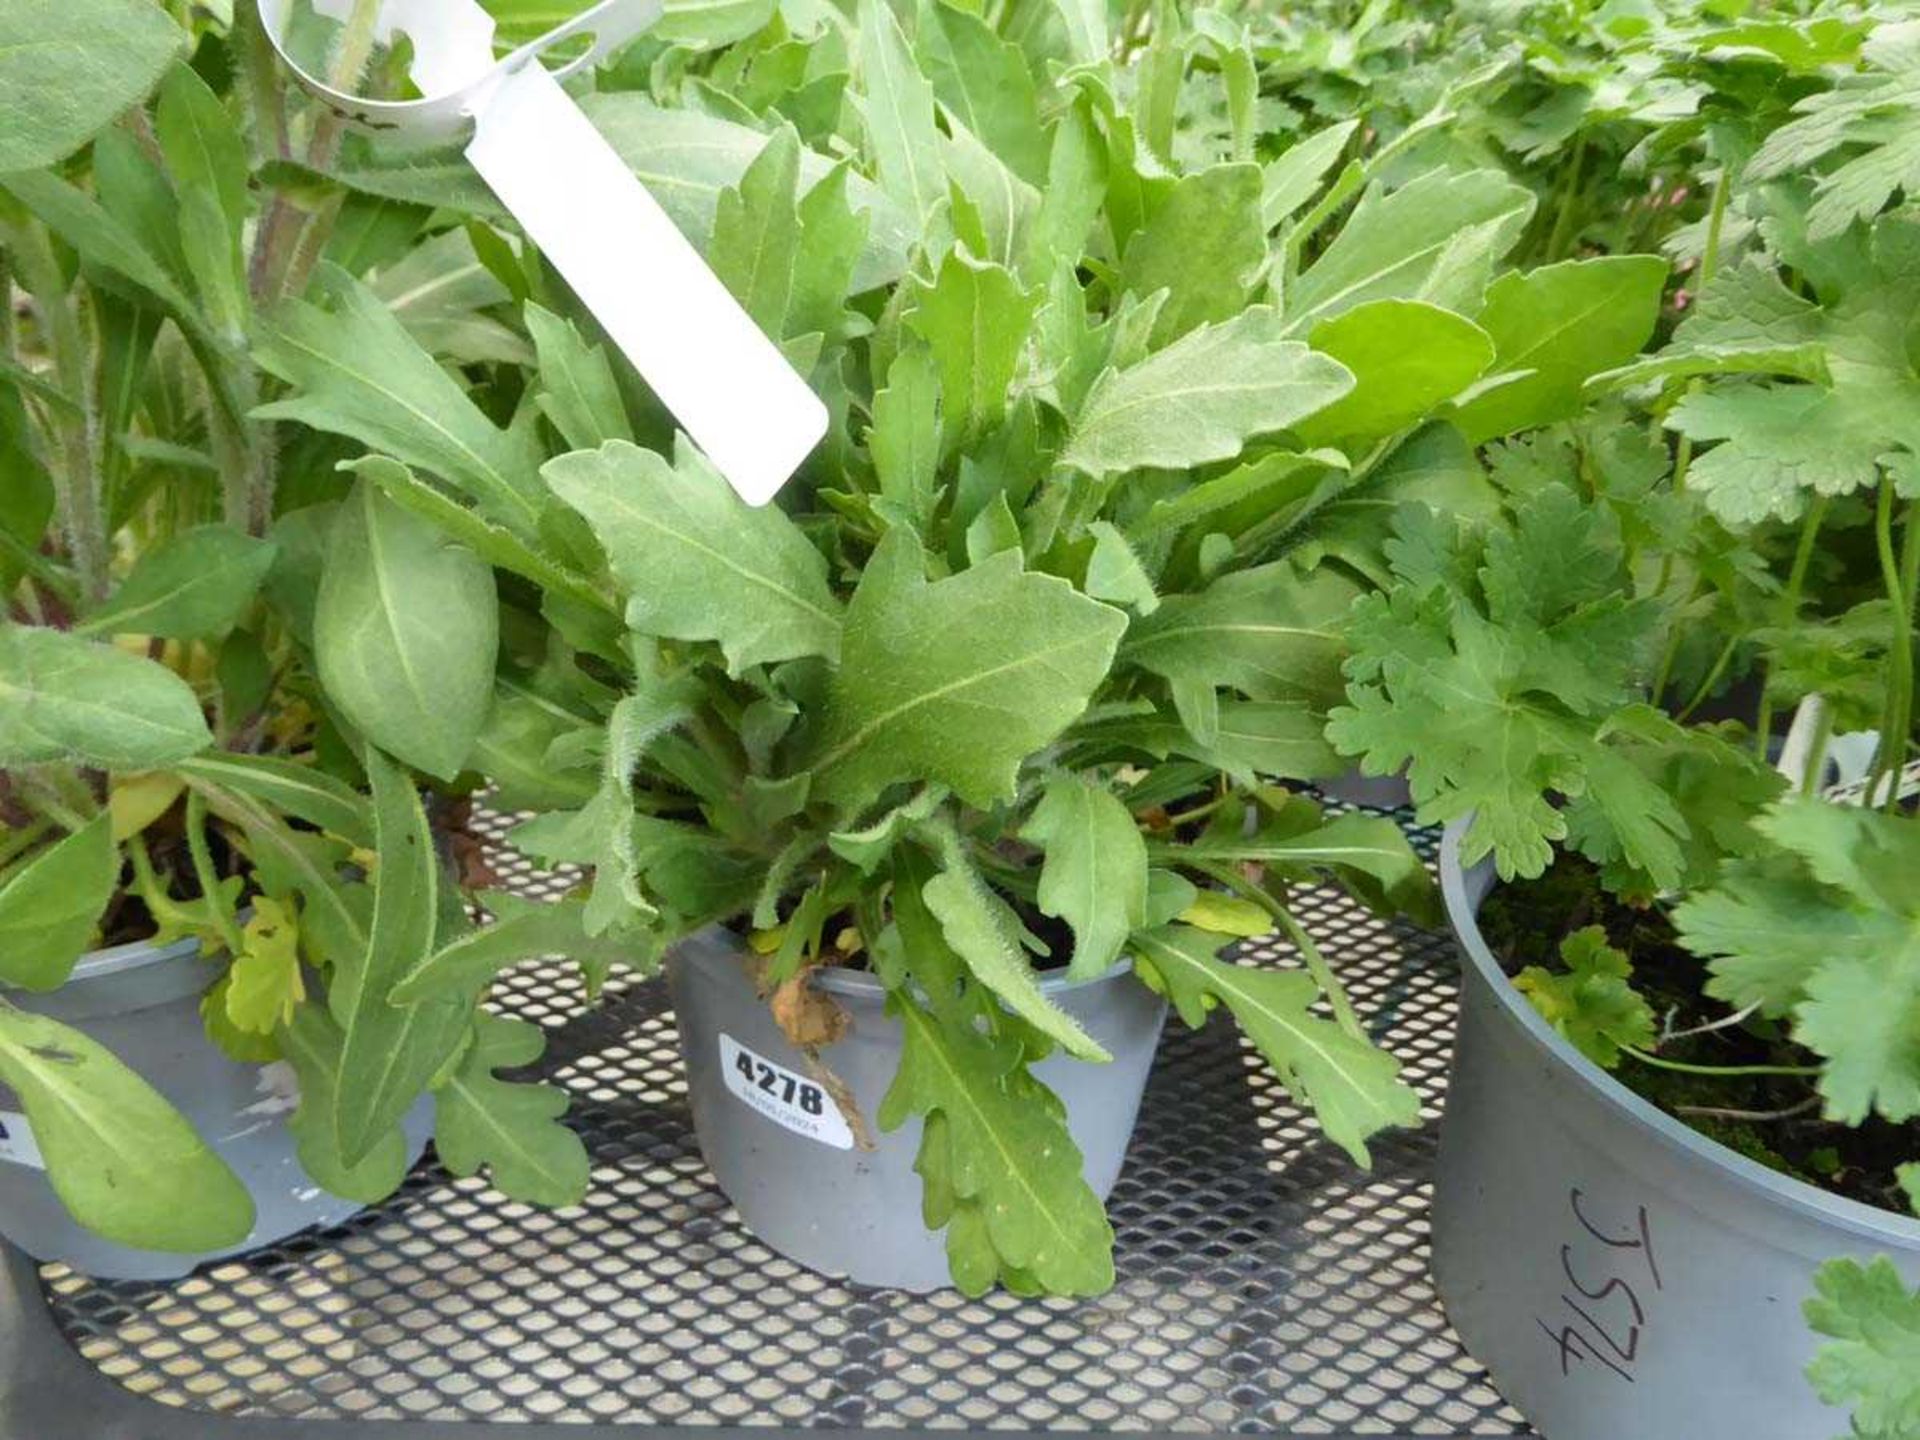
17,1145
726,383
792,1101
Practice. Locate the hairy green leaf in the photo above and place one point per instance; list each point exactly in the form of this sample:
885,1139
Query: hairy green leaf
405,632
956,681
124,1162
1353,1088
64,698
1094,875
192,586
512,1129
1003,1147
67,69
1202,398
699,563
50,906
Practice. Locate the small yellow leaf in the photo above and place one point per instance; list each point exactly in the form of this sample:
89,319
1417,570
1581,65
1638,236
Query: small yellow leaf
765,942
264,984
136,801
1227,915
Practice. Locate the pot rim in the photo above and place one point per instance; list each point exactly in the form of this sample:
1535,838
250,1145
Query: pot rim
1884,1226
121,959
841,980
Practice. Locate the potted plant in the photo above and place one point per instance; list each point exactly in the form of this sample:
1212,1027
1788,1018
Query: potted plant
922,770
205,664
1688,973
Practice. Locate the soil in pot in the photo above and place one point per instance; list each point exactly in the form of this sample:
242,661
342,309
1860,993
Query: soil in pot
1772,1119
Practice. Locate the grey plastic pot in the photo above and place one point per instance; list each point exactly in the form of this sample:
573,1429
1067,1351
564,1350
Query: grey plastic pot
1618,1273
789,1161
142,1001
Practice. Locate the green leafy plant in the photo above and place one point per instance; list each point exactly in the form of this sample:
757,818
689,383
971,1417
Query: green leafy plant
1550,673
194,654
1127,384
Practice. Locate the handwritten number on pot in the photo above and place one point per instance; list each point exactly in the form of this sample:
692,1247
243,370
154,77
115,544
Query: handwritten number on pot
1611,1297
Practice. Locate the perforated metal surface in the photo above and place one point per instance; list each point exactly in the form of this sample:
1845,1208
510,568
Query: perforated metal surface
1266,1285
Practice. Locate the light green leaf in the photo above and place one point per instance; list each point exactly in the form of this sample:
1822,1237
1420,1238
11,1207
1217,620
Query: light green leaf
299,790
1871,1360
985,83
1562,323
1115,573
1268,632
1593,1002
312,1045
1204,245
1086,27
440,291
195,585
1220,914
1094,875
905,436
512,1129
756,233
50,906
388,1053
957,681
464,966
1354,1088
1780,443
67,69
974,318
705,24
981,928
1202,398
64,698
698,562
264,983
1295,178
1434,239
405,632
577,389
77,218
1254,740
1407,358
354,370
899,114
493,543
124,1162
996,1141
686,158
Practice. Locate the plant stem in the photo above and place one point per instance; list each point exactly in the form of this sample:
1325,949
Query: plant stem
207,876
1790,609
1897,714
1713,677
22,838
1716,1112
77,480
1817,752
1716,220
1563,222
1682,1067
280,236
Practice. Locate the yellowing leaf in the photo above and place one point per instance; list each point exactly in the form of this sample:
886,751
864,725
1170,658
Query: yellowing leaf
264,984
1226,915
136,801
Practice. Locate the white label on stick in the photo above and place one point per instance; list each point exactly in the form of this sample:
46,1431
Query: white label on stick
793,1101
726,383
17,1145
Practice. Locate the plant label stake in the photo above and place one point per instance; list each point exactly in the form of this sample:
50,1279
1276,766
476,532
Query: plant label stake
725,382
